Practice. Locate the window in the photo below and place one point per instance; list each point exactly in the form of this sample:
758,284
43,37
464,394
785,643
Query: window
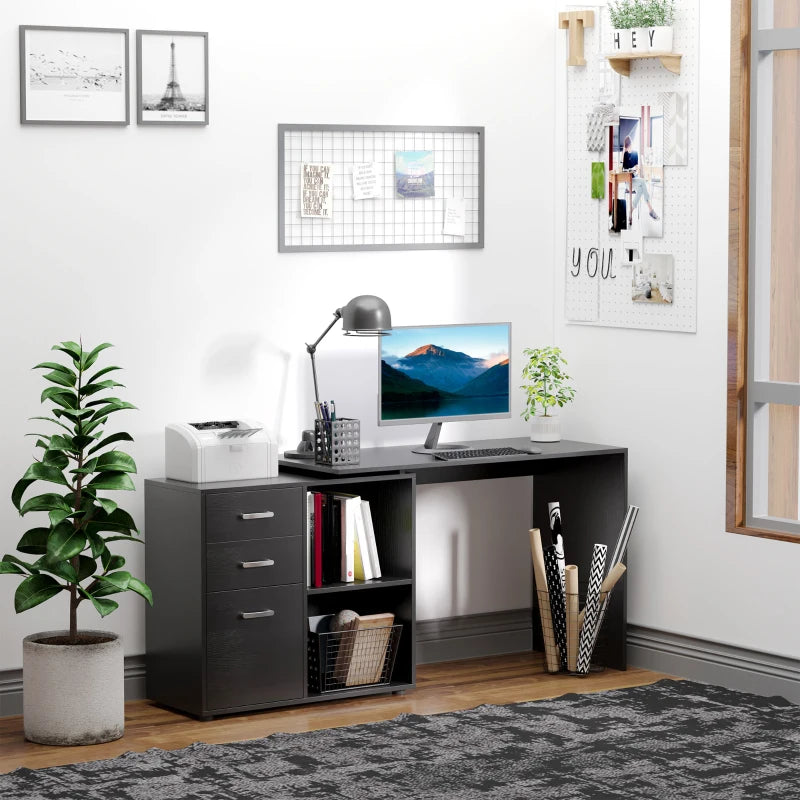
764,271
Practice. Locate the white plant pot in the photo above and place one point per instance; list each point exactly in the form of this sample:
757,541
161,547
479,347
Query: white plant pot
660,38
545,429
73,694
620,41
639,40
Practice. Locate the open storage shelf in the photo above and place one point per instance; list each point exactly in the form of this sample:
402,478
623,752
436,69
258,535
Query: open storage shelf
621,62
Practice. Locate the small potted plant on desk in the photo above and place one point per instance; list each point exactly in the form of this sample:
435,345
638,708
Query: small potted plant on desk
73,690
546,387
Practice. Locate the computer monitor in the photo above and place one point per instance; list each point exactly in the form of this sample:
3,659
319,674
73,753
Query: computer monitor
442,373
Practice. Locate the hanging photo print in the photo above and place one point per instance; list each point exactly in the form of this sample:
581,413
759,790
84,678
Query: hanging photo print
653,280
414,173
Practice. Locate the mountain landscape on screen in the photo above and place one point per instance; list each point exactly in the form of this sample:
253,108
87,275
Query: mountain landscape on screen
432,381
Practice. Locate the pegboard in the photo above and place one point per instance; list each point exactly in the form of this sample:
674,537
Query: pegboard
386,222
607,301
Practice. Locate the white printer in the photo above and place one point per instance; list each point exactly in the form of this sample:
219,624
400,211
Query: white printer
226,450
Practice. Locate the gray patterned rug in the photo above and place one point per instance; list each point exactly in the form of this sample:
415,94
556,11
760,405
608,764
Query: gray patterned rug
673,739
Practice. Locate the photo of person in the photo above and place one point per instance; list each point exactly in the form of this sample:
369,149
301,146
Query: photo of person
637,172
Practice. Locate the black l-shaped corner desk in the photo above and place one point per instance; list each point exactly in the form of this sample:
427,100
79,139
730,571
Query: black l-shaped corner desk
222,639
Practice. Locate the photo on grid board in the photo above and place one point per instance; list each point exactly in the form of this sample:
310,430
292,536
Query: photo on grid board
637,174
654,280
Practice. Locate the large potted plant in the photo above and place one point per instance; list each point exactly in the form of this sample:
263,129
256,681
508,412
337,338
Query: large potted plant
546,388
73,679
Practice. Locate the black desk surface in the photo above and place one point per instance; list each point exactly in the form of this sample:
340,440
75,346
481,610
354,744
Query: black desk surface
377,460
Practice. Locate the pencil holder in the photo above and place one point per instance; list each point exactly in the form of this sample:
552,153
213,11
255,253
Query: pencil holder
337,442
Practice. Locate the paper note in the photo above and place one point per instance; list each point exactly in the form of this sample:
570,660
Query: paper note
455,216
316,195
365,181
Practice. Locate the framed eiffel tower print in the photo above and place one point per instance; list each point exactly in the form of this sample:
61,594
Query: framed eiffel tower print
172,78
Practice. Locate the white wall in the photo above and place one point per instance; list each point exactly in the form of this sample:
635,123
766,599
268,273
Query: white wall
663,396
163,241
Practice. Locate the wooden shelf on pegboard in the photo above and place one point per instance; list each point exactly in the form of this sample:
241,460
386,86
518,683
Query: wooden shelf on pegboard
621,63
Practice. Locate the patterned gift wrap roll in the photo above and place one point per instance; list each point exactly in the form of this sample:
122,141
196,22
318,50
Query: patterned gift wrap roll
558,609
537,556
591,618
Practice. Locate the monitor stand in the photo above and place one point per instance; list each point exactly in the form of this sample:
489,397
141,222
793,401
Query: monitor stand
432,442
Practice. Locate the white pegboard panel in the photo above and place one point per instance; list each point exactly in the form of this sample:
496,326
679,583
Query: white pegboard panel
608,302
388,221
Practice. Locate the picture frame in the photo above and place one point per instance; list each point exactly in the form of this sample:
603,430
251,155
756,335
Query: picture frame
172,77
73,75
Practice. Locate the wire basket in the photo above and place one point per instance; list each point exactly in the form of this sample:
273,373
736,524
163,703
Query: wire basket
572,630
337,441
345,659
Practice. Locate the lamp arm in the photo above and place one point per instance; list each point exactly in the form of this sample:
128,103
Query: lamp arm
311,349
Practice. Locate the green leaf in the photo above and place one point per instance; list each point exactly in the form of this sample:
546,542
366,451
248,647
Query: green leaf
9,559
112,480
111,406
87,469
104,607
61,378
19,489
109,506
81,442
116,562
60,442
119,580
102,372
34,541
135,585
94,388
64,542
9,568
54,365
115,437
116,461
117,520
97,544
55,421
62,397
72,349
121,537
45,502
86,567
88,359
58,515
61,569
55,458
44,472
33,590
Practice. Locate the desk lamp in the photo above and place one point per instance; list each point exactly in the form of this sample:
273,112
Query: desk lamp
365,315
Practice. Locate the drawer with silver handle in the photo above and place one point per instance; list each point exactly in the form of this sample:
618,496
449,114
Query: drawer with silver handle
256,514
250,564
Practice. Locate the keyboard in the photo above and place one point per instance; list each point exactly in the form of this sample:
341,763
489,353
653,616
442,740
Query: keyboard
488,452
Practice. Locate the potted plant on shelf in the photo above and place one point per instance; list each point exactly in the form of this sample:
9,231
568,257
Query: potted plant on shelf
628,23
659,16
73,679
546,387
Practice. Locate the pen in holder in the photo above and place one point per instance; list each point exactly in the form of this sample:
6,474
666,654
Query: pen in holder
337,441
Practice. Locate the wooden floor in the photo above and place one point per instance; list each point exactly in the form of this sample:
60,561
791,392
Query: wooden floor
440,687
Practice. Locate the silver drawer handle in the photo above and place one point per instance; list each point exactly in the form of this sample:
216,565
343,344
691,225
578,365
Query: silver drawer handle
267,562
257,614
258,515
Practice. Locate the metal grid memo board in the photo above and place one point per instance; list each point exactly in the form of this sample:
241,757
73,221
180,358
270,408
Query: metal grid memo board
387,222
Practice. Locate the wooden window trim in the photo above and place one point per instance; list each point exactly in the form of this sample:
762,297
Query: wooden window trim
737,277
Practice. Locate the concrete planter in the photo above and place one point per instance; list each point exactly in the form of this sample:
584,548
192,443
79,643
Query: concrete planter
73,694
545,429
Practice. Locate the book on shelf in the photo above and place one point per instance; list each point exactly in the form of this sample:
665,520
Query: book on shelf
369,533
341,545
368,655
361,560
